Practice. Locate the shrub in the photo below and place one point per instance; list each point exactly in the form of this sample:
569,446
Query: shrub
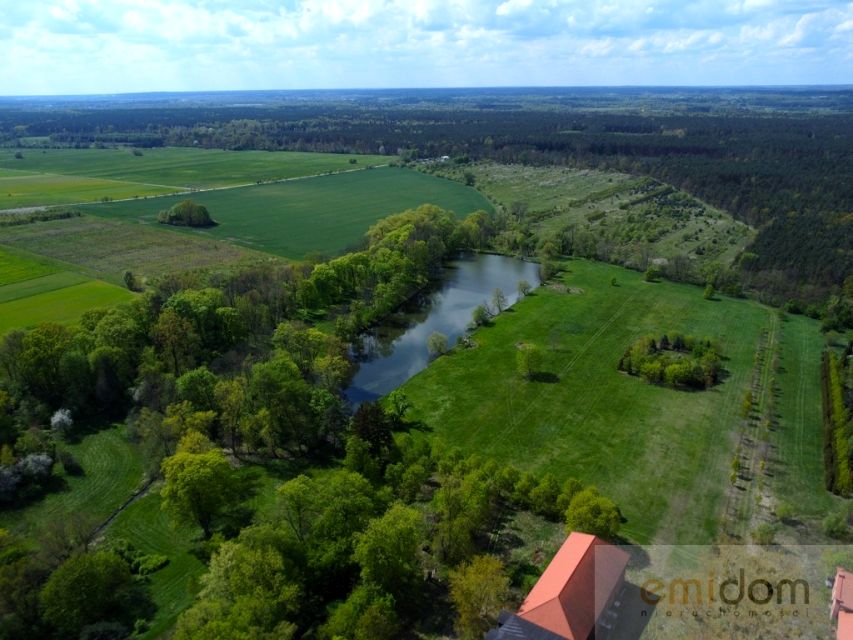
70,464
61,422
784,511
437,344
835,525
764,534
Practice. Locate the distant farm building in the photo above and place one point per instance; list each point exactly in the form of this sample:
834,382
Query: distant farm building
568,602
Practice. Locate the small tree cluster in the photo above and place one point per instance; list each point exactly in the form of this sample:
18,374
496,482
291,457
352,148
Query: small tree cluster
675,360
186,214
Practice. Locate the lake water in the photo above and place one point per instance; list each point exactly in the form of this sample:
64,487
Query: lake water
391,353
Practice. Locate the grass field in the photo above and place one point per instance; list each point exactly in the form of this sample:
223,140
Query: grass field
64,305
34,290
149,529
105,249
26,190
113,471
15,267
799,480
39,285
662,454
63,176
325,214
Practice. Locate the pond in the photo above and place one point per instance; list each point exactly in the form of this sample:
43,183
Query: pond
389,354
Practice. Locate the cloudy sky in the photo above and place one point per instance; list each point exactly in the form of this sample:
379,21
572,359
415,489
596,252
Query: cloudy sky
112,46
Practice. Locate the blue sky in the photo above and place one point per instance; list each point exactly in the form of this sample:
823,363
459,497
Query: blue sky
112,46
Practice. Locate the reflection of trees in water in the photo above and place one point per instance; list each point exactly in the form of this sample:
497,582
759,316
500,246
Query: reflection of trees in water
378,341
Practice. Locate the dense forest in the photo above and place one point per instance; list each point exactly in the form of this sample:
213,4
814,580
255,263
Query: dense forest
778,160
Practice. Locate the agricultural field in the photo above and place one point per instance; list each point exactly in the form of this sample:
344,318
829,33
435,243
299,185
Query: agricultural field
34,290
105,249
325,214
662,454
613,216
22,189
65,176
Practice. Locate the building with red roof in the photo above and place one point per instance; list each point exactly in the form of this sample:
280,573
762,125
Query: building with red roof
580,583
841,608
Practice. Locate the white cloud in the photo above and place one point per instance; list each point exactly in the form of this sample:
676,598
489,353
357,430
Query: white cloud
510,7
122,45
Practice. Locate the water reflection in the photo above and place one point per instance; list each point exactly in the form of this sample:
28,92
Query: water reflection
391,353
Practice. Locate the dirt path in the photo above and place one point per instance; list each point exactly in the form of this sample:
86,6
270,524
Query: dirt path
748,501
136,495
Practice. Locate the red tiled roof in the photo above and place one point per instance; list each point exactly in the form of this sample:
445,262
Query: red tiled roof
842,589
845,626
572,592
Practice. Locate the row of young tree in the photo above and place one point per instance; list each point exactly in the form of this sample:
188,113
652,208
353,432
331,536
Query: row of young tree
837,395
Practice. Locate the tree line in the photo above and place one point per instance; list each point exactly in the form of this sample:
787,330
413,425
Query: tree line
837,396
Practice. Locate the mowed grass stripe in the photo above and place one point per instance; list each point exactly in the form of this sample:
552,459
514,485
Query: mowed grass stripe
798,475
63,305
151,530
43,284
325,214
662,454
113,471
185,167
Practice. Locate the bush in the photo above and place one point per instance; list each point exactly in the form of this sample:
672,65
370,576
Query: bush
105,631
61,422
784,511
764,534
148,564
590,512
437,344
70,464
835,525
480,316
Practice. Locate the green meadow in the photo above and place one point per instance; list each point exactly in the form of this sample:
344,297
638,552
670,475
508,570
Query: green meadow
325,214
63,305
663,454
150,529
112,471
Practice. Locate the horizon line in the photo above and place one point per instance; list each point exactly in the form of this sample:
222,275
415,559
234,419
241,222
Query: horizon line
163,92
